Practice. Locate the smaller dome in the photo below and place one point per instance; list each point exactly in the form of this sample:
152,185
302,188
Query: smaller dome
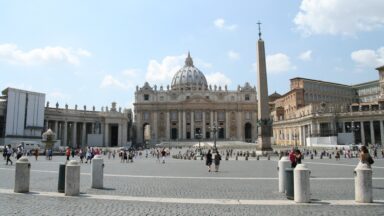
189,77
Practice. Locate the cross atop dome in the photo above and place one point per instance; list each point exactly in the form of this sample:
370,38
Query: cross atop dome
189,61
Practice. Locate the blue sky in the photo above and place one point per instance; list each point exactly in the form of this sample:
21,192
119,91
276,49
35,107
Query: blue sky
95,52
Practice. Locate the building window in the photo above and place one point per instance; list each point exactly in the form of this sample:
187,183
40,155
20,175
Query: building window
146,116
173,116
221,116
146,97
198,116
247,97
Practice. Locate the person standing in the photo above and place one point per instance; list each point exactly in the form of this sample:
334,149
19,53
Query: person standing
9,154
217,160
292,158
36,153
68,153
208,160
365,157
298,156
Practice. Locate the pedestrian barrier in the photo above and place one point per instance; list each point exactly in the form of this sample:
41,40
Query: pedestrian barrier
22,175
302,192
61,181
289,184
72,178
284,163
363,183
97,172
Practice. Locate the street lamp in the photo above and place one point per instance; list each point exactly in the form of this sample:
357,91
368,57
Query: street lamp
214,129
198,136
354,128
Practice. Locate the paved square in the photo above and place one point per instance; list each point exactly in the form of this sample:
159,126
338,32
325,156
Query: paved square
185,187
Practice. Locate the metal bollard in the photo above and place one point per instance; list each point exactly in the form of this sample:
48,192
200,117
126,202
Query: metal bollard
363,183
302,191
61,182
22,173
257,157
289,185
284,163
269,157
237,157
72,178
311,156
97,172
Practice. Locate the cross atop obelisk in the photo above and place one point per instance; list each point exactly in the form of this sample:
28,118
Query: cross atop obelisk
263,120
259,24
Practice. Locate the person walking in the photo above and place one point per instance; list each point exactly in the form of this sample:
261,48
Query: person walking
9,154
163,154
36,153
217,160
208,160
292,158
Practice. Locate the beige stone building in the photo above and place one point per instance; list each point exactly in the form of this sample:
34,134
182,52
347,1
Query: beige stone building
317,112
189,109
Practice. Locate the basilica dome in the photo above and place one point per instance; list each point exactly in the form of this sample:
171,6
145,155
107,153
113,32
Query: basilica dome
189,77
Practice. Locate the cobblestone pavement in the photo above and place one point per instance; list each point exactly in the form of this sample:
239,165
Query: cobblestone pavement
185,185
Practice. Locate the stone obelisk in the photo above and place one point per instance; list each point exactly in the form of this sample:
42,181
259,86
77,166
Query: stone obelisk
263,119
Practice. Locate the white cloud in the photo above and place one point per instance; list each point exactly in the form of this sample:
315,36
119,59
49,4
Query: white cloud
369,58
110,81
131,72
345,17
232,55
162,72
57,96
220,24
218,79
12,54
278,63
306,56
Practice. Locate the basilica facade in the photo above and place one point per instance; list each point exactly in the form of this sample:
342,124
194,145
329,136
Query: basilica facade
189,109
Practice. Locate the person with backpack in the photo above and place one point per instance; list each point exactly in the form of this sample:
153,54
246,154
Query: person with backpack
292,158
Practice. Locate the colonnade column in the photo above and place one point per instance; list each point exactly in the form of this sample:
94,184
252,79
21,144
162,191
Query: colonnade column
239,122
65,133
84,134
343,127
93,129
120,134
373,141
74,135
106,134
56,126
204,125
362,132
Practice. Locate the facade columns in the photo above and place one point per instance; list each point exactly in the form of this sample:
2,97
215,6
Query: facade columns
362,132
155,132
119,135
373,141
211,125
203,128
239,123
192,125
184,126
343,127
167,118
381,132
180,123
93,129
226,125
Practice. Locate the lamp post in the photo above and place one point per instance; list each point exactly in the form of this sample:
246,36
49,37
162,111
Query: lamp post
214,129
198,136
354,128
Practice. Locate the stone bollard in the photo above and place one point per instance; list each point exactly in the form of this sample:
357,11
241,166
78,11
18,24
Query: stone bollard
22,173
284,163
72,178
363,184
302,191
97,172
